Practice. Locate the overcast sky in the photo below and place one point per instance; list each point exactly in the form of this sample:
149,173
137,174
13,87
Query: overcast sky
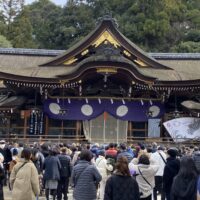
58,2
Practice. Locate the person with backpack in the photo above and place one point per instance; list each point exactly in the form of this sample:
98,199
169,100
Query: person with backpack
65,173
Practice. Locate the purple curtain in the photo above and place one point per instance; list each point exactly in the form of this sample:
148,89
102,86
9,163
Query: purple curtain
75,109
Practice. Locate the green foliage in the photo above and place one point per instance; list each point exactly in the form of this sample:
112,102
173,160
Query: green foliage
155,25
11,9
4,43
188,47
44,17
20,32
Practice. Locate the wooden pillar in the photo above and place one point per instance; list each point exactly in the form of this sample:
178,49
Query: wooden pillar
25,125
62,128
77,130
8,126
46,125
146,130
129,129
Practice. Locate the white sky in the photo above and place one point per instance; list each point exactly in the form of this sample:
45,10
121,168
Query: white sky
58,2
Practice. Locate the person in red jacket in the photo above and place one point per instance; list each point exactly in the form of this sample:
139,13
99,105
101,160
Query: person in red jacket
111,152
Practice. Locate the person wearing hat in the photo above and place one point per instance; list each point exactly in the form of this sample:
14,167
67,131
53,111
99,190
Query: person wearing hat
170,171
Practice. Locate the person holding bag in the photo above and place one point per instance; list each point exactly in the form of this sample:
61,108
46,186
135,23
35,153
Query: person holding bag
24,180
145,172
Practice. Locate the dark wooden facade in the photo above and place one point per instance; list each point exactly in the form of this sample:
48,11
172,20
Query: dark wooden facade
105,56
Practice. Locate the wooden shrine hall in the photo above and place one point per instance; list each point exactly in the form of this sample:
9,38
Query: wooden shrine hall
102,89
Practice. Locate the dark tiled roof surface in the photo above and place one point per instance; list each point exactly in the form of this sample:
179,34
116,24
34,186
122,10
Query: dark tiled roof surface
32,52
47,52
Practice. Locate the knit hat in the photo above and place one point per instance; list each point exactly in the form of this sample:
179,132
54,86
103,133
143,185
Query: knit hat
172,152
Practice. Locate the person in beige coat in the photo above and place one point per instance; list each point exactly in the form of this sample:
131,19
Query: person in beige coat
24,178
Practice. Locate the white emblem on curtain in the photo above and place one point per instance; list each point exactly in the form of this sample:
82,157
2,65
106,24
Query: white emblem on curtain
54,108
155,110
122,110
87,110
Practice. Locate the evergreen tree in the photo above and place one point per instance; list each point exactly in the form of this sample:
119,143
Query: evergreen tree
45,17
4,43
10,9
21,34
154,25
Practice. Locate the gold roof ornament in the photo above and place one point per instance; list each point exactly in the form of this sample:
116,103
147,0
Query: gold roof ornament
106,70
70,61
127,53
105,37
85,52
62,82
140,63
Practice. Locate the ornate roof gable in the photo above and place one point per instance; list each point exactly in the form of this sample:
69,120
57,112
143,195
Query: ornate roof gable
106,35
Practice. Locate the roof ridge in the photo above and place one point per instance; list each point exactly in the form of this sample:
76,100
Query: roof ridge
52,52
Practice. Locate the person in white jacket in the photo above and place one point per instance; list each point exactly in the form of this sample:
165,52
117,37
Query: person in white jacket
145,173
104,168
160,157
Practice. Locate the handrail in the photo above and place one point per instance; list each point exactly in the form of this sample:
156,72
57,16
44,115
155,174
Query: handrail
82,139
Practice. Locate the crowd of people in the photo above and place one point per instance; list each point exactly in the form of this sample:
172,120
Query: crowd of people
104,172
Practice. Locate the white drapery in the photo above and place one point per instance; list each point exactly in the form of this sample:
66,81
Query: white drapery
105,129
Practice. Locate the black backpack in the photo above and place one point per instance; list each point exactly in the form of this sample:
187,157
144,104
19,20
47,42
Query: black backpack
65,170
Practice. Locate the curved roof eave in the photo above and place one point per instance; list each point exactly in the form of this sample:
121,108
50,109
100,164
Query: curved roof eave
106,24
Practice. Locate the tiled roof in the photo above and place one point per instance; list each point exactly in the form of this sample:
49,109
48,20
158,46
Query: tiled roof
175,56
32,52
47,52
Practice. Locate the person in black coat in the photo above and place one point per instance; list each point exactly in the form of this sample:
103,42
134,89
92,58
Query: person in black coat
2,177
170,171
5,151
65,173
184,186
121,186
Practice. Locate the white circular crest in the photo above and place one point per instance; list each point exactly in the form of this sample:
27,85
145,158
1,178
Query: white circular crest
122,110
54,108
87,110
155,110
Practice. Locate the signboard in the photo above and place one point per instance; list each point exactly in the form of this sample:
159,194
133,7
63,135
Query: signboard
182,129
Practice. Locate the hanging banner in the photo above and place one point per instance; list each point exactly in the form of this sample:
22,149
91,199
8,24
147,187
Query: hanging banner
154,128
89,109
184,128
36,123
